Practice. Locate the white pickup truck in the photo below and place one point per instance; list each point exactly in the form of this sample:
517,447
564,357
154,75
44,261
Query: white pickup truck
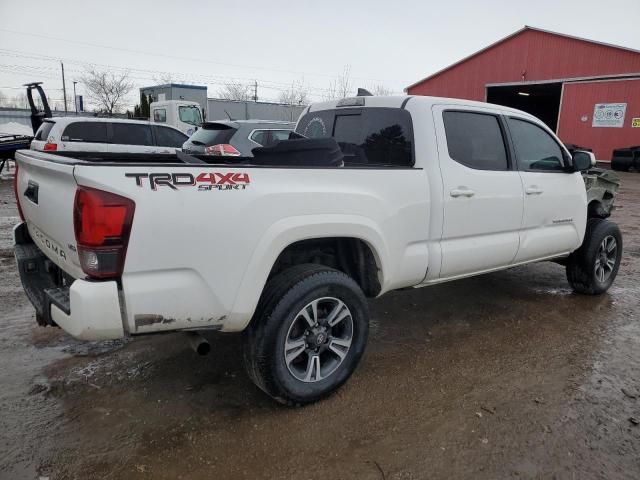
384,193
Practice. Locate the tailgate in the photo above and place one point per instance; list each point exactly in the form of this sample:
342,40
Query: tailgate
46,189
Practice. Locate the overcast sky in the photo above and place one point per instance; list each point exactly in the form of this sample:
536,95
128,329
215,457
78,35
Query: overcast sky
277,42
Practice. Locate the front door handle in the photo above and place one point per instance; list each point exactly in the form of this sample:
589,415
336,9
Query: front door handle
462,192
533,190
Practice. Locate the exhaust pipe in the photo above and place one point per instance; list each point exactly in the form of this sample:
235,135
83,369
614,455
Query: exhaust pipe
199,344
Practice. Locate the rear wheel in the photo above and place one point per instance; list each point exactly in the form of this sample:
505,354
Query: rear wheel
593,267
308,334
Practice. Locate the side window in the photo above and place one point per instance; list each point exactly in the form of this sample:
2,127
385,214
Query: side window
535,148
259,136
475,140
168,137
44,130
131,134
277,135
93,132
159,115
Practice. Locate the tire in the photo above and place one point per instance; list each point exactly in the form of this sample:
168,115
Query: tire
295,379
593,267
621,164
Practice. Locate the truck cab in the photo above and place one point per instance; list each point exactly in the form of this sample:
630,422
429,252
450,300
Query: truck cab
184,115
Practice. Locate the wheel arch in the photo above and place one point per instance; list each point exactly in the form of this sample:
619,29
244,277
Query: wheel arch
296,234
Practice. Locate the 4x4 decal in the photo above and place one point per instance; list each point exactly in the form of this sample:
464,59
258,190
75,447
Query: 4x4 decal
205,181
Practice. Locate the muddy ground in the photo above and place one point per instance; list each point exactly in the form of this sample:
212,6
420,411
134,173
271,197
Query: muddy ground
508,375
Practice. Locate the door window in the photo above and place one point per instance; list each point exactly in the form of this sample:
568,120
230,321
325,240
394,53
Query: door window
190,114
131,134
535,148
93,132
277,135
259,136
475,140
168,137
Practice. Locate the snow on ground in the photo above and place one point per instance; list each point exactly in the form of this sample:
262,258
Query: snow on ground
14,128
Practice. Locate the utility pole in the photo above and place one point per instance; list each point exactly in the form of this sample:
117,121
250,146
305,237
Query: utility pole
75,98
64,89
255,91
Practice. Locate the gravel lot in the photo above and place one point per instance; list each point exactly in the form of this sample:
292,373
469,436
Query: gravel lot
504,375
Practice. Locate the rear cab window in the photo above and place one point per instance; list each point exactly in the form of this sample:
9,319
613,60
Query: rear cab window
373,136
90,132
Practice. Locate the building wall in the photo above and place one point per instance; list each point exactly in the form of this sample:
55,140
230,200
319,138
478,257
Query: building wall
178,92
239,110
531,55
578,101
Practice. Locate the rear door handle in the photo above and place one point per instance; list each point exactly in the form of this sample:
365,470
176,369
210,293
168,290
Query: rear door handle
462,192
533,190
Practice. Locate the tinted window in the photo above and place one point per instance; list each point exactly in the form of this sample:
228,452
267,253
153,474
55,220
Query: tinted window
213,134
95,132
259,136
159,115
168,137
131,134
369,136
475,140
536,149
277,135
43,131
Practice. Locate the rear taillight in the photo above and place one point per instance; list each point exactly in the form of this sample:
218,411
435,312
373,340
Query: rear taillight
102,223
15,192
222,150
50,147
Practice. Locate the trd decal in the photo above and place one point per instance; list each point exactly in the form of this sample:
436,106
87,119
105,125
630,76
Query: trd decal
205,181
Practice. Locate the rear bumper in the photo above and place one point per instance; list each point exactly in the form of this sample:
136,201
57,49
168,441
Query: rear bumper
86,310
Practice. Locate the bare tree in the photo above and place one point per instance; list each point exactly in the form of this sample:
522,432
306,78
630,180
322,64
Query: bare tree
107,90
341,87
297,94
381,90
3,100
235,91
163,78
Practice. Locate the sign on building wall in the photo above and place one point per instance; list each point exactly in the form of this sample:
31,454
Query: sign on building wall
635,123
609,115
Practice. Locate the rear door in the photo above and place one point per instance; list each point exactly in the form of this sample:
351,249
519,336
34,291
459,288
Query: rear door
133,138
46,190
169,138
555,199
483,198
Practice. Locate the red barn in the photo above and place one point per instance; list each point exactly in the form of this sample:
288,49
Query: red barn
587,92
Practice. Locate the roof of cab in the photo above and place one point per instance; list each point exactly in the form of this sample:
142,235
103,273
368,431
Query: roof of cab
399,101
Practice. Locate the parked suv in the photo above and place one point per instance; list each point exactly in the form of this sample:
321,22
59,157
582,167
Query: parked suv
236,137
103,135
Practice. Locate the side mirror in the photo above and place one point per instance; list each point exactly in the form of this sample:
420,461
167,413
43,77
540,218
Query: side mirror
583,160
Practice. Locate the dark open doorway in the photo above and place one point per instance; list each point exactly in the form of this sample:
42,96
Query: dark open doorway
541,100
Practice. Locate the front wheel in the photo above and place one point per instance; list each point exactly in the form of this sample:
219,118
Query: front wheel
593,267
308,334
